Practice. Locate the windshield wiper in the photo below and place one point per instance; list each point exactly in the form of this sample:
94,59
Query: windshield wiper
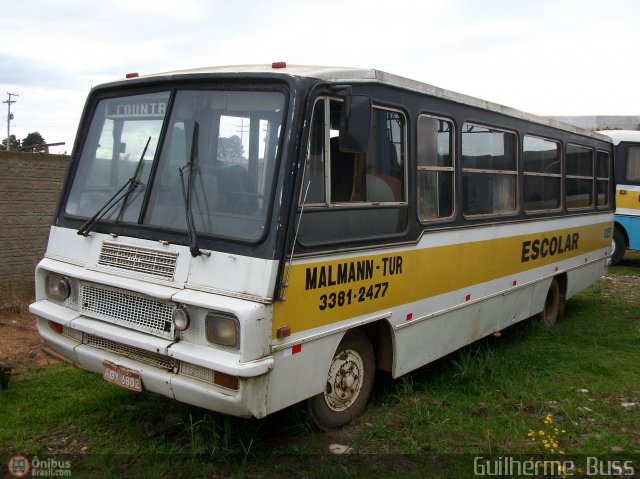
134,182
187,194
130,185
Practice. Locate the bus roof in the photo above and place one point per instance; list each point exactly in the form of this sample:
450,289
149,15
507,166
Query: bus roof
354,75
622,135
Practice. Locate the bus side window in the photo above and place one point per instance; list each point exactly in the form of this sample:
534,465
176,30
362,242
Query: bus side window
435,168
633,164
603,166
384,163
367,186
344,184
314,180
342,164
542,174
579,186
489,170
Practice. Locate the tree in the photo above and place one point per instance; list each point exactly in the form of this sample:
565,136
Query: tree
34,143
230,148
14,143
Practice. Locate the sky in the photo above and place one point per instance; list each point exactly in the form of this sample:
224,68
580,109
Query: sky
548,57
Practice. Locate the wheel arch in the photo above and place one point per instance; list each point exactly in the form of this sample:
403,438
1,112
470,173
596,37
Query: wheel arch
380,335
562,284
620,227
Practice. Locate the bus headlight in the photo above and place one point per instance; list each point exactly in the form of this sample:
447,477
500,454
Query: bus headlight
57,287
180,318
223,329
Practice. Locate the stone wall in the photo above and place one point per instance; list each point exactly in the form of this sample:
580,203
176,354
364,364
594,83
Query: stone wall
29,187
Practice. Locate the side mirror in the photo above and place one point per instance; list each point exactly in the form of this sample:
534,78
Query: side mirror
355,123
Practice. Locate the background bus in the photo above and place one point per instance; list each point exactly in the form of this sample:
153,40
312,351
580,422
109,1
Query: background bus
246,238
627,178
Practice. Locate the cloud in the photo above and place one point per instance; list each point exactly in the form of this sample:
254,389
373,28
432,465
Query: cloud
545,56
22,70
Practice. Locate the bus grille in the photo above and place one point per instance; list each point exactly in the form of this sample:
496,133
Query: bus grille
131,352
139,259
127,309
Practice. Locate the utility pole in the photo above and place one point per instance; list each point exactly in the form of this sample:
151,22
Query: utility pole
9,117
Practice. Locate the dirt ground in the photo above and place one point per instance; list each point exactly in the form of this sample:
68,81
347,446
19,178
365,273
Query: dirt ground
20,344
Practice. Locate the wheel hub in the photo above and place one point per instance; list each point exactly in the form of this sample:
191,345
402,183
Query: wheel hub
344,382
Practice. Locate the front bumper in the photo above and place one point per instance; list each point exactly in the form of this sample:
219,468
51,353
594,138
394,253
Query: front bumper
158,361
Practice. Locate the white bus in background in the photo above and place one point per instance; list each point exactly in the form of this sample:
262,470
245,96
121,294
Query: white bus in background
246,238
626,234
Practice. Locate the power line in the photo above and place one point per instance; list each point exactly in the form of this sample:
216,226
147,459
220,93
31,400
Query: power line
9,117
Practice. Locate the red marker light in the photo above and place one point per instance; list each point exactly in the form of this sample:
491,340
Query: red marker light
132,75
279,65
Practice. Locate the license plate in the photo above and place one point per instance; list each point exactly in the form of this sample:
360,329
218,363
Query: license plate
124,377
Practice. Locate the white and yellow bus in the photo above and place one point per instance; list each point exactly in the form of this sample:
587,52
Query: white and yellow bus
626,234
246,238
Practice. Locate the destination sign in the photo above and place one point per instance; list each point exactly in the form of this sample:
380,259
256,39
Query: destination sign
137,108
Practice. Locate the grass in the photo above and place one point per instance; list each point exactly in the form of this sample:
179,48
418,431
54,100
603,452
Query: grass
488,398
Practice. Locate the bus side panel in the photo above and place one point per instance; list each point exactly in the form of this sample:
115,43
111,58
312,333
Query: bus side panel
628,200
580,278
453,288
425,341
437,274
300,371
631,225
628,212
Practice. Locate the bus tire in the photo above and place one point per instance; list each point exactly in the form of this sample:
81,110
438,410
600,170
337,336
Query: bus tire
551,309
349,383
618,246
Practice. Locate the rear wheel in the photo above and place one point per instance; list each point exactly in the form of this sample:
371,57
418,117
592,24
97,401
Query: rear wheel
551,304
618,245
349,383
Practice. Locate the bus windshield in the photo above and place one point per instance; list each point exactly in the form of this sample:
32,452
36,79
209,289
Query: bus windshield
142,143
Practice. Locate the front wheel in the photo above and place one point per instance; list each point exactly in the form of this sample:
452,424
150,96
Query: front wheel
349,383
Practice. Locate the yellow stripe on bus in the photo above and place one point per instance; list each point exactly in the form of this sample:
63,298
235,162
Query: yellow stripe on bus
324,292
